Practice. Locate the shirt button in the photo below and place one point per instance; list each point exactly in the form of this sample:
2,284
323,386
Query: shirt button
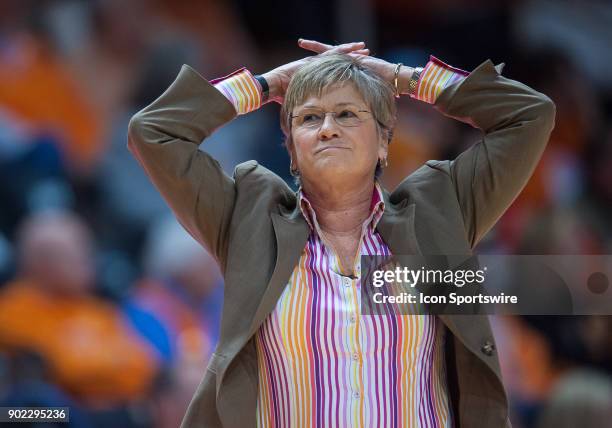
355,356
353,319
356,394
347,282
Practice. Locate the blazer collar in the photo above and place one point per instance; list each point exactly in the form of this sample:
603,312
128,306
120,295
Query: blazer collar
396,226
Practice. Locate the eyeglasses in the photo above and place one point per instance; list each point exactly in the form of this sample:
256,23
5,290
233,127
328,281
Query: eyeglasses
344,116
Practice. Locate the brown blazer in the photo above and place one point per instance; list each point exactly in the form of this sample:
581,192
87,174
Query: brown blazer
251,224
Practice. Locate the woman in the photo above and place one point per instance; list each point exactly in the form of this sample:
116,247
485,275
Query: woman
294,349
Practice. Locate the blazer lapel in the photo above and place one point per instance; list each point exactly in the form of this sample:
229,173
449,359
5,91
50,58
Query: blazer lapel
396,227
291,232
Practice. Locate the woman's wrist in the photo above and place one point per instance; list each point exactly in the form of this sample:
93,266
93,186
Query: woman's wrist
275,90
403,79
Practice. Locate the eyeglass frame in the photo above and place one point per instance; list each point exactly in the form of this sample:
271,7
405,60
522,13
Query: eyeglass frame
333,113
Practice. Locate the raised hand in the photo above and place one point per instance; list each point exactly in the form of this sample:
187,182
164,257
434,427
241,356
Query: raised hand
384,69
322,48
278,79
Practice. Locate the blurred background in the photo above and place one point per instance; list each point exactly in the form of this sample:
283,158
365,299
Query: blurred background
109,307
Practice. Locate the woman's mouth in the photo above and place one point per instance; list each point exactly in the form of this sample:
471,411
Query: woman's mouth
328,148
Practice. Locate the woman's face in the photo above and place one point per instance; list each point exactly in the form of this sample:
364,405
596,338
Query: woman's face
323,149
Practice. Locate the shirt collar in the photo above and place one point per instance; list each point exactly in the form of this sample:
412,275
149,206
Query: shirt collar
377,208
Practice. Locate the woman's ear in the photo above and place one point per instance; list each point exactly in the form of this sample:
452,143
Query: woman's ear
290,146
383,144
291,150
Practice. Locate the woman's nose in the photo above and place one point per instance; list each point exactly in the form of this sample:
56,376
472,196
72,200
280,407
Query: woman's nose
329,128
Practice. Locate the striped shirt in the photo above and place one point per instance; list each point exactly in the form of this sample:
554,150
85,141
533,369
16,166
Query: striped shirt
324,364
241,89
435,77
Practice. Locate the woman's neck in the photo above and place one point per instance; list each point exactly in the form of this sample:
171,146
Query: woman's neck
341,212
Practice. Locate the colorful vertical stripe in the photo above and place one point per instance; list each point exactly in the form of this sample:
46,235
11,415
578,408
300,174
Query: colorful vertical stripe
324,364
435,77
241,89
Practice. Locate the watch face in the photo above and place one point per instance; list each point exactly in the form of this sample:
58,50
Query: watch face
414,80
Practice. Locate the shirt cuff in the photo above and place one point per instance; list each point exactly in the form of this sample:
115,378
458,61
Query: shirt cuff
241,89
435,77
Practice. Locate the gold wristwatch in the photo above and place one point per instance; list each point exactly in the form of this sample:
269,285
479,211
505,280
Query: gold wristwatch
414,80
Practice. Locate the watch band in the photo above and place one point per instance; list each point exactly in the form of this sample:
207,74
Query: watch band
265,89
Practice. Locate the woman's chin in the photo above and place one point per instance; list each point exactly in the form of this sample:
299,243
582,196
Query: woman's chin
335,166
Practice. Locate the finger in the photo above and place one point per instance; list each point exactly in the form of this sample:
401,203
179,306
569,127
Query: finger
313,42
349,47
314,46
352,46
362,52
319,47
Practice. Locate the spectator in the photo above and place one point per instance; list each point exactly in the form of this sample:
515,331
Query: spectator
50,310
581,398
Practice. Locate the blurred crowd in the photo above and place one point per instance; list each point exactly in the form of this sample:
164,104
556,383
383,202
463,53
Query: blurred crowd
109,307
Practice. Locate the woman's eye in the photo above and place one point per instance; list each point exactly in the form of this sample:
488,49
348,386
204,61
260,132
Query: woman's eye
311,117
346,114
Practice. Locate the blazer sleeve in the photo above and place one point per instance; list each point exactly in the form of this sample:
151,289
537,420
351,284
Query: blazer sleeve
516,122
164,137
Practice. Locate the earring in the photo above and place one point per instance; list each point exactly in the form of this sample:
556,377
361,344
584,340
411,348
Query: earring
294,171
382,162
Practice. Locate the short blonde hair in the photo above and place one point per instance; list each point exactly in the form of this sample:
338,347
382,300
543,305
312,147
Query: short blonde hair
325,72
